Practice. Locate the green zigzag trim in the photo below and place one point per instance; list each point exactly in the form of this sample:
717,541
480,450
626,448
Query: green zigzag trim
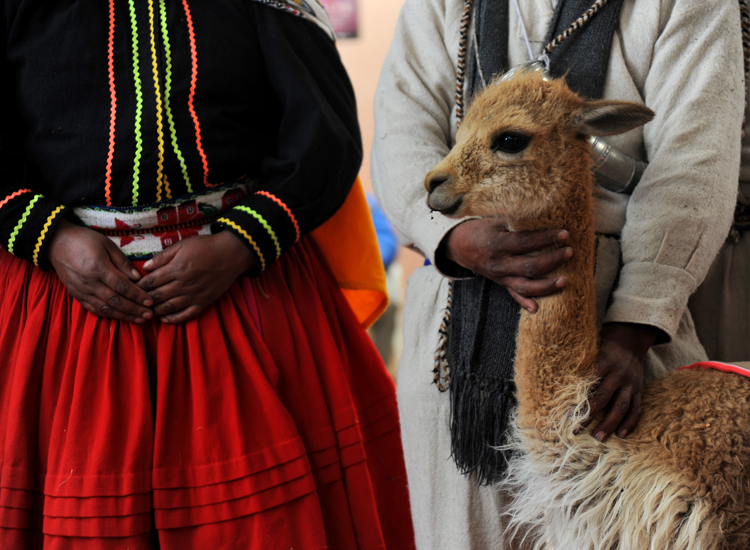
264,223
168,90
139,105
20,223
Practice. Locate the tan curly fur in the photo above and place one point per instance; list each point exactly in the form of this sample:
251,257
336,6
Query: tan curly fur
680,480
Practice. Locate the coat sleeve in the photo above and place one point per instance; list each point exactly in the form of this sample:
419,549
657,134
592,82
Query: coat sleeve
27,218
680,213
414,121
318,143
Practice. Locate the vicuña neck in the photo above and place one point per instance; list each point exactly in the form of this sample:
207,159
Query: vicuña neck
558,344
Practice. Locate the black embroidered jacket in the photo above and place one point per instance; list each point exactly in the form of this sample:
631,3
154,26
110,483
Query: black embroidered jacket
126,103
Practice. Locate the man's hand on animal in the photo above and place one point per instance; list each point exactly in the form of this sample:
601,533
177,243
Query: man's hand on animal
619,366
98,274
485,246
191,274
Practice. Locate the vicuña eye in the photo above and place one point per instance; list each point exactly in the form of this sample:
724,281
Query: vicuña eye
510,142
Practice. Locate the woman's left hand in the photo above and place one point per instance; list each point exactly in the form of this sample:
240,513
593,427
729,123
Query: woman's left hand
191,274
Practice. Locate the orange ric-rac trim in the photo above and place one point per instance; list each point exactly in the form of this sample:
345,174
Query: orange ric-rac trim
113,99
13,195
285,207
191,97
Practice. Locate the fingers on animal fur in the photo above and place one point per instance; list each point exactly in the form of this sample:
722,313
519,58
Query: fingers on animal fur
555,259
561,238
598,402
526,303
531,288
531,267
631,419
615,415
498,223
524,242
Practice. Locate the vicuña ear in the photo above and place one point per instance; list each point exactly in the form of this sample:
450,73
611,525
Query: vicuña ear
606,118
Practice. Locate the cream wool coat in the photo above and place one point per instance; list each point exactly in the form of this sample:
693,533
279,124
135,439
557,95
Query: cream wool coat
683,59
721,305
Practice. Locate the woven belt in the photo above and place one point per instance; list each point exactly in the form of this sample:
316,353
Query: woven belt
142,232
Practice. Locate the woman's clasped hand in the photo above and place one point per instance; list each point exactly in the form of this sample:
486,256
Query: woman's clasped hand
181,281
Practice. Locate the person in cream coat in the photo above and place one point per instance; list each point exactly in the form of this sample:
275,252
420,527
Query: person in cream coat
683,59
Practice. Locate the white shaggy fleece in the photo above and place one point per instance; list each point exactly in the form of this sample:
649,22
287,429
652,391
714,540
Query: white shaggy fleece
571,492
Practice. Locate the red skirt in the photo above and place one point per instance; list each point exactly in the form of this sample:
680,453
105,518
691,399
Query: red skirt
268,422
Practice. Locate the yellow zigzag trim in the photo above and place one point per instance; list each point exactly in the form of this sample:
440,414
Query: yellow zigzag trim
46,227
248,237
166,187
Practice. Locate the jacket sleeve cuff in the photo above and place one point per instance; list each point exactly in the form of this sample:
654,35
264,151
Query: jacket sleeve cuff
651,294
433,233
28,220
265,224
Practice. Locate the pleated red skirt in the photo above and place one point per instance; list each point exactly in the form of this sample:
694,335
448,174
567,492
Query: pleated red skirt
268,422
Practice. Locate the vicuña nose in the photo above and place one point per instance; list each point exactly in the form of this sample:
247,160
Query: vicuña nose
436,181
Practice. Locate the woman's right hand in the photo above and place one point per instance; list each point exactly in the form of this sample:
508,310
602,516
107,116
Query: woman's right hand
98,274
485,246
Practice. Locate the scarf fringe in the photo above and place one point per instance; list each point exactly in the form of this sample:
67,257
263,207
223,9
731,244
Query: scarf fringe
480,419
